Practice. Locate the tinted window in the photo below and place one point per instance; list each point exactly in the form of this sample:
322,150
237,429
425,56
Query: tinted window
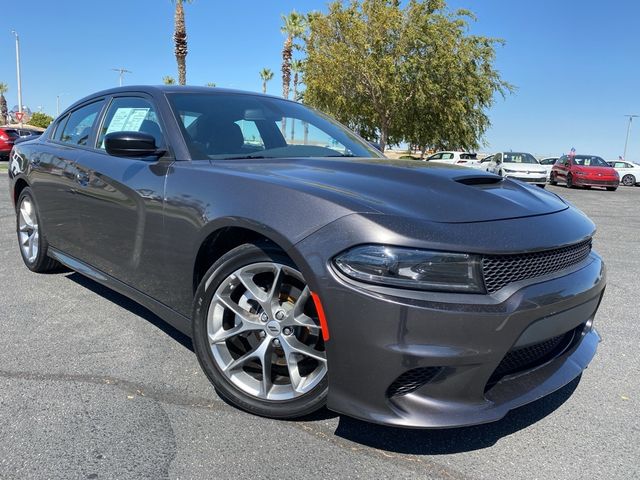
447,156
227,126
11,133
131,114
78,127
437,156
57,135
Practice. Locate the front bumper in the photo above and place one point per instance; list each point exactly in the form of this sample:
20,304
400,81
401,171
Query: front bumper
380,337
529,178
595,182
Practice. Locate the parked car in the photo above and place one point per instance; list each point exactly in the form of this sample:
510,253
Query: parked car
584,171
309,275
7,139
548,163
458,158
629,172
519,165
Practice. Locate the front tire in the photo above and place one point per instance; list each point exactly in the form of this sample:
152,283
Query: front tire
552,179
257,335
612,189
570,182
31,240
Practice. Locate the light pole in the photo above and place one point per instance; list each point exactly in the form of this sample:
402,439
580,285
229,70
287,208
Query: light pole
626,142
121,71
18,72
58,103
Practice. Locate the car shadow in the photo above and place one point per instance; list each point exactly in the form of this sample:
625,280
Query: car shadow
452,440
131,306
392,439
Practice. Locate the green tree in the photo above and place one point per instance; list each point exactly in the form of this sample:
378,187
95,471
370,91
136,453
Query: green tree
180,41
39,119
402,72
4,88
168,80
293,27
266,75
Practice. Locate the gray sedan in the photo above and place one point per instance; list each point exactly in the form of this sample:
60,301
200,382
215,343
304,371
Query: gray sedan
308,269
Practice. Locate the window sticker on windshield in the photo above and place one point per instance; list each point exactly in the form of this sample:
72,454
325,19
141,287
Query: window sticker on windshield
127,120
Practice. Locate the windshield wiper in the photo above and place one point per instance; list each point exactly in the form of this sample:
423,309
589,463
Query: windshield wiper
241,157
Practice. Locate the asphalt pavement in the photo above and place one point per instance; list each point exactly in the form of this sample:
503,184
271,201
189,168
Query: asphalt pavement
94,386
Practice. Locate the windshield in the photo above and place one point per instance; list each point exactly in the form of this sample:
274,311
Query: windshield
236,126
518,157
589,161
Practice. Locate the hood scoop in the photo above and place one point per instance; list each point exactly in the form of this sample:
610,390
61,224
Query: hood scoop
479,179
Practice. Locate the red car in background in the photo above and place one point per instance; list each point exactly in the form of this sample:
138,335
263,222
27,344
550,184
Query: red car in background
7,137
584,171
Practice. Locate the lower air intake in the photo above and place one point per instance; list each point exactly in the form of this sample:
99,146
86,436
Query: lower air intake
412,380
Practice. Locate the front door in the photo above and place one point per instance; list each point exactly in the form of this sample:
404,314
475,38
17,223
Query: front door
120,200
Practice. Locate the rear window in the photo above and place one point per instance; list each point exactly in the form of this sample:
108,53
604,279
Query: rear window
468,156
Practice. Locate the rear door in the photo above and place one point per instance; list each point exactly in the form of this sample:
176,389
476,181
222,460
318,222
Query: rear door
53,175
120,199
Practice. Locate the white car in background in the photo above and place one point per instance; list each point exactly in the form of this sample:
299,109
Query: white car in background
547,163
629,172
519,165
465,159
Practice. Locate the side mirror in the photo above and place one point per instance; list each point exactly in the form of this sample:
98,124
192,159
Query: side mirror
131,144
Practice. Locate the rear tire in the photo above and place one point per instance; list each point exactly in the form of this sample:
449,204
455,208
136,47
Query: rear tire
257,336
31,239
629,180
542,185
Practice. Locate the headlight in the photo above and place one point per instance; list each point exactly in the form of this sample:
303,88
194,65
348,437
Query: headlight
412,268
578,172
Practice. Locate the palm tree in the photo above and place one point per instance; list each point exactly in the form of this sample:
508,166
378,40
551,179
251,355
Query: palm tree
4,88
296,68
266,75
168,80
180,41
293,27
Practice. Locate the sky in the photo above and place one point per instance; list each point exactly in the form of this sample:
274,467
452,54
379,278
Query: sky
575,63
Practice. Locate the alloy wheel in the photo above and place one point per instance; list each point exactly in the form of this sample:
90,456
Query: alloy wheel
263,332
628,180
28,233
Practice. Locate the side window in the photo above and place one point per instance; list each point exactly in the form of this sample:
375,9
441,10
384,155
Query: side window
78,127
497,157
252,138
57,133
437,156
131,114
487,159
447,156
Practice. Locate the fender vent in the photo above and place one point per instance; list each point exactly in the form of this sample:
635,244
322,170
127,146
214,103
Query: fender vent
412,380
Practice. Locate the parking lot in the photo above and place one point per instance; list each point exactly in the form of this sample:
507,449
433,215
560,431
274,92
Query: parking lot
94,386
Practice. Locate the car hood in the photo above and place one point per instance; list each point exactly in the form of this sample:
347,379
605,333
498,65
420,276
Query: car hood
425,190
524,167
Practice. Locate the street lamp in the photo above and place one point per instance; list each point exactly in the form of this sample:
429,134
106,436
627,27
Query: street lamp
121,71
58,103
18,72
626,142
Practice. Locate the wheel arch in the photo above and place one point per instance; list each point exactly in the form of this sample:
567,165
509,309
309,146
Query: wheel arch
223,236
19,185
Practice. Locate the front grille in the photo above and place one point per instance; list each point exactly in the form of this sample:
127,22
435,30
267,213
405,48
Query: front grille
412,380
525,358
501,270
600,182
